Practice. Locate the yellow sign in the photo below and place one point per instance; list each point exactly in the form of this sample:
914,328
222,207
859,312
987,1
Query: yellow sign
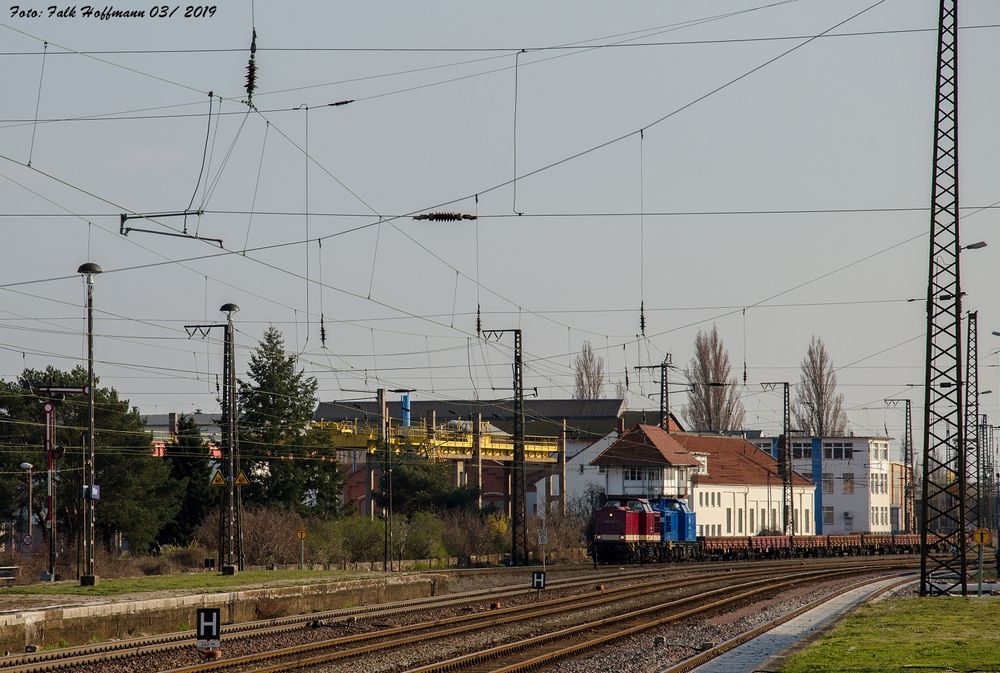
241,479
217,479
301,534
981,536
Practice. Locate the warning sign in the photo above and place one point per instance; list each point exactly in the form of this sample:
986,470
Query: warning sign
241,479
301,533
981,536
218,479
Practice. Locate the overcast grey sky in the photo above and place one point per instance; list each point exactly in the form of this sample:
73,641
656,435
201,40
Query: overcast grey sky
747,124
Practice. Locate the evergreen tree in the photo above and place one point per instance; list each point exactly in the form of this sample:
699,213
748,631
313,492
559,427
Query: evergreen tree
190,470
419,485
138,496
276,404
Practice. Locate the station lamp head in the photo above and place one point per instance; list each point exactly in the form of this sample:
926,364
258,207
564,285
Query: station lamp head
229,308
90,268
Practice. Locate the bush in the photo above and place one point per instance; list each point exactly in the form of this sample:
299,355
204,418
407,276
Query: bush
155,565
424,537
268,535
362,538
189,557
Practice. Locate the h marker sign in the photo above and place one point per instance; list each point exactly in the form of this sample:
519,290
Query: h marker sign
209,629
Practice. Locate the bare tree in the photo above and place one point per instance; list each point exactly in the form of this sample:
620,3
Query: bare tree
713,402
589,374
818,408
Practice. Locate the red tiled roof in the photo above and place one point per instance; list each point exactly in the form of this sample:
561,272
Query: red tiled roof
734,460
645,445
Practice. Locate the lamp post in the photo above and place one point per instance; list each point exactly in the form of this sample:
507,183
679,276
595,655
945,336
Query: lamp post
30,540
90,489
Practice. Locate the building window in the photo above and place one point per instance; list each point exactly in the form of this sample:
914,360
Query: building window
827,515
729,520
802,451
807,520
654,475
701,530
739,520
701,499
763,519
752,529
633,474
847,482
774,519
828,482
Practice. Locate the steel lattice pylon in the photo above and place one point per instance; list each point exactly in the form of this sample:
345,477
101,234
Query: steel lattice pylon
973,471
942,544
907,442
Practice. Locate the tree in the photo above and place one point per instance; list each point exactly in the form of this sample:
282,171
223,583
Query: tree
138,495
276,404
818,408
189,468
589,374
420,485
713,402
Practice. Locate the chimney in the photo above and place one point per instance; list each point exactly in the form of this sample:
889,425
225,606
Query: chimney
621,426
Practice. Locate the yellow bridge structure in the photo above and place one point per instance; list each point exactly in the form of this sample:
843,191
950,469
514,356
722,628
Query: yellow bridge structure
444,442
465,444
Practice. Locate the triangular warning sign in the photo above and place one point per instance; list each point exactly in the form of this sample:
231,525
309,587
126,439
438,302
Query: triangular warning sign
241,479
217,479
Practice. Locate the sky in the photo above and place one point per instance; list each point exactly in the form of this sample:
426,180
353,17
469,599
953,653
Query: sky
763,167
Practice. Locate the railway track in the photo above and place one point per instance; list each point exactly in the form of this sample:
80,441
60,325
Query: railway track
359,644
551,645
62,658
540,651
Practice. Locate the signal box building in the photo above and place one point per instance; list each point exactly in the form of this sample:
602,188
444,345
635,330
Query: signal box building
859,488
732,486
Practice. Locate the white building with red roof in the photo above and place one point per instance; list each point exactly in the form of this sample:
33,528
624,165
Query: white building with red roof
732,486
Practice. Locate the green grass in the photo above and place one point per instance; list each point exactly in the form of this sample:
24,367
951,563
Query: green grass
914,634
191,581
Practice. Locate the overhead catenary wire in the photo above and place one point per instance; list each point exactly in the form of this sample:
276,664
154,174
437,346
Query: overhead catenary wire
38,101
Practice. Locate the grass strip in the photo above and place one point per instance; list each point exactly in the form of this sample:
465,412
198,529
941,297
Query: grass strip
189,581
911,634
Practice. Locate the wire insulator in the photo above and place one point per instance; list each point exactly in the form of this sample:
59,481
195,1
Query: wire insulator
251,79
479,322
252,69
322,331
642,317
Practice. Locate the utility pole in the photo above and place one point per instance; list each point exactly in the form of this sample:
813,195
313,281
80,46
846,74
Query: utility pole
908,499
518,519
942,539
53,453
785,459
664,392
91,491
230,552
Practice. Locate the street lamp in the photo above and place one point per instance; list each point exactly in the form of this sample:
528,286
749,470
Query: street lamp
27,468
91,490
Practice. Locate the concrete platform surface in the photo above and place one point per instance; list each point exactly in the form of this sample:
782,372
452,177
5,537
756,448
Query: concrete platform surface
765,653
